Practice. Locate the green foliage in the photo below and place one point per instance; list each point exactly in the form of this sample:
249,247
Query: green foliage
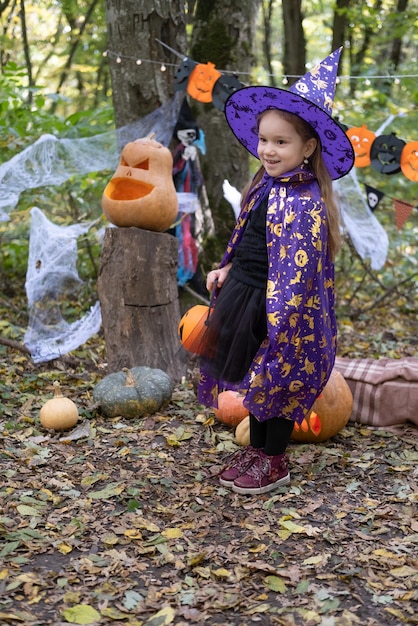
363,291
216,46
14,255
80,107
77,200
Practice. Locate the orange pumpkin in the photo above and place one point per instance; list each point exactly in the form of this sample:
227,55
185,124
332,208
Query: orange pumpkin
409,161
192,327
361,139
231,410
141,192
202,81
330,412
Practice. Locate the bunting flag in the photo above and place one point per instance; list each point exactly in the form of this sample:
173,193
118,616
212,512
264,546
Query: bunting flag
374,196
203,82
387,154
402,211
402,208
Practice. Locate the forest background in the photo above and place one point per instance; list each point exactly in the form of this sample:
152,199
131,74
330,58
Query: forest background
75,69
125,520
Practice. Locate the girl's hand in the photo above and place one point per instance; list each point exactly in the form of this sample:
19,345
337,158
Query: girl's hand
219,275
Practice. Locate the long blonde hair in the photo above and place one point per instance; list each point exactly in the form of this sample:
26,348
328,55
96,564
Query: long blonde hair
306,132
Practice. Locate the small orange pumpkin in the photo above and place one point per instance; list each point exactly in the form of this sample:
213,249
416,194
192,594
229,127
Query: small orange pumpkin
409,161
361,139
231,410
141,192
192,328
330,412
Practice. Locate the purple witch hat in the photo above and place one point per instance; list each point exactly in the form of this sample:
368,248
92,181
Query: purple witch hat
311,98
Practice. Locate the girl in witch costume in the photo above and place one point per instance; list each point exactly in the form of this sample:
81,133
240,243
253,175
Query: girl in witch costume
272,332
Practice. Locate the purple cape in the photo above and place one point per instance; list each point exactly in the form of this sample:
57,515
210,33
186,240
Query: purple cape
296,358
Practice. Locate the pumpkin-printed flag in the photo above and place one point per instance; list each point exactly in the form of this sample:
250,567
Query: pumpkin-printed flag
409,160
202,81
402,211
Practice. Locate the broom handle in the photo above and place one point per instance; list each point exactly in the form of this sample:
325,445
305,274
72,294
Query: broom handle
212,298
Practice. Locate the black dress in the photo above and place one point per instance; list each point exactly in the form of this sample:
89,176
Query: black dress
238,325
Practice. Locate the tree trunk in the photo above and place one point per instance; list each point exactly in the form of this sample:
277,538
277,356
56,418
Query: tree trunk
339,23
267,7
223,34
396,49
138,295
138,283
294,57
135,56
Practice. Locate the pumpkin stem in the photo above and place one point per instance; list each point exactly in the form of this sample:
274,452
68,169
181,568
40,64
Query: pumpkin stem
130,380
57,389
151,136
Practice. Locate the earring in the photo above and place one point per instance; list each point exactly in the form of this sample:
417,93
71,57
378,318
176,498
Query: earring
306,160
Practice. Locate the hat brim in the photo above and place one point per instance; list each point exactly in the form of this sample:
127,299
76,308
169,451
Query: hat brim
245,105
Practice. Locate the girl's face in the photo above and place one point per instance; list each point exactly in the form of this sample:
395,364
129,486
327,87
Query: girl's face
280,148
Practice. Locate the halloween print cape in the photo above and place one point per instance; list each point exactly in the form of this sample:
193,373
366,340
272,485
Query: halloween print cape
296,358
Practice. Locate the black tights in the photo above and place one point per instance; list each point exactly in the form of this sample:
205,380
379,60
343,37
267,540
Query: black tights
273,435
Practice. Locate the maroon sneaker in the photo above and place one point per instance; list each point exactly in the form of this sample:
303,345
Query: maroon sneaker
239,462
264,474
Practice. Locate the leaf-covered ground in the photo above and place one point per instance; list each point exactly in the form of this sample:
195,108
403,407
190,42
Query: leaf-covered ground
127,524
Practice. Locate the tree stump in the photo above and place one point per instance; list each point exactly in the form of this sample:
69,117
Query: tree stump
138,295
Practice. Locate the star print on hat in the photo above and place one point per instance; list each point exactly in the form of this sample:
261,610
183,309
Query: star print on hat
311,98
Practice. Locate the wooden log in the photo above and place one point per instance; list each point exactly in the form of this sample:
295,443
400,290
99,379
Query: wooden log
138,294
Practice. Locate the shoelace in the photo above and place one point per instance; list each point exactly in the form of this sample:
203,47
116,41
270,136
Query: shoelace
259,468
262,467
243,457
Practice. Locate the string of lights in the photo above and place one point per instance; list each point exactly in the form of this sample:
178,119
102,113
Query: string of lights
119,58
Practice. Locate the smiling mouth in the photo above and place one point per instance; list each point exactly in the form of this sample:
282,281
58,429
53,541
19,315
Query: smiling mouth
127,189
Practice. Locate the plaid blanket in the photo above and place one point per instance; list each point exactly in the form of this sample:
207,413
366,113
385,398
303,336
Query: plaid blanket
385,391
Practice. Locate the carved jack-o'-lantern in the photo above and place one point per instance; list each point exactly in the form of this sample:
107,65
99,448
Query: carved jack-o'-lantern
202,81
409,161
141,192
385,154
330,412
361,139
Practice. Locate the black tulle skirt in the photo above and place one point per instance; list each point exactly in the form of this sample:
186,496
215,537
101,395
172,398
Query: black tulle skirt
235,330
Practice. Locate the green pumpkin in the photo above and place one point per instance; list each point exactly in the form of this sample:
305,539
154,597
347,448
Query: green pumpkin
133,392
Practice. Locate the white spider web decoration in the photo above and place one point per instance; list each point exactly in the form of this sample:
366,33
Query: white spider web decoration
367,234
51,277
51,160
51,273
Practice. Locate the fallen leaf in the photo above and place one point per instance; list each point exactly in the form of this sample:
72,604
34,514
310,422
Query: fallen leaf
81,614
162,618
